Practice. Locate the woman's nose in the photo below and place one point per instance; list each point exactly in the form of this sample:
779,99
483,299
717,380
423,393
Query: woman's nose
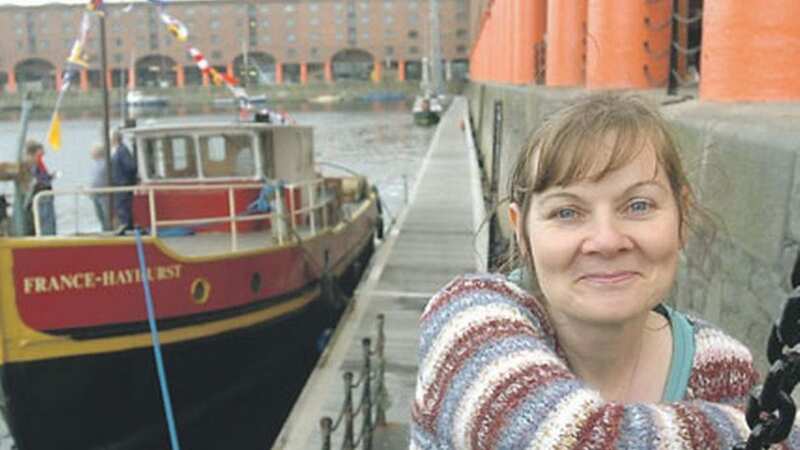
606,236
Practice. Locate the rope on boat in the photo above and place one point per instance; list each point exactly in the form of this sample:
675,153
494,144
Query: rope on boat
151,320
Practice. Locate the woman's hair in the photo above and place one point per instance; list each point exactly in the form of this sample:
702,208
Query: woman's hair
588,140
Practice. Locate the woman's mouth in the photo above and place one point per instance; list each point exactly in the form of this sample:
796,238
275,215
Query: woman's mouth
608,278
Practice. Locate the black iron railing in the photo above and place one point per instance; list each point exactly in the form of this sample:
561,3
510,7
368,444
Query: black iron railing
371,408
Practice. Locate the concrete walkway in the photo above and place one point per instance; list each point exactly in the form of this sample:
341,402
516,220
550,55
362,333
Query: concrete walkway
436,238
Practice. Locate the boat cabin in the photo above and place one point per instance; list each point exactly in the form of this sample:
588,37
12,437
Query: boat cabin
196,171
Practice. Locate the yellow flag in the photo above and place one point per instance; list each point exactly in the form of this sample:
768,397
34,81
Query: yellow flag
54,134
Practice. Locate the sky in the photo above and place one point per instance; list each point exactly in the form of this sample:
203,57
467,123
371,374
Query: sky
69,2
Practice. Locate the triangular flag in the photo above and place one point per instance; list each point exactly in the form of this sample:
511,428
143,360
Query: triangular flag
54,134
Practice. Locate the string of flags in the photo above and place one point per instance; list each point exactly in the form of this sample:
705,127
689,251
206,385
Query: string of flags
78,60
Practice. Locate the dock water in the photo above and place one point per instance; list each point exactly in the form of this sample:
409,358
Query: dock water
439,235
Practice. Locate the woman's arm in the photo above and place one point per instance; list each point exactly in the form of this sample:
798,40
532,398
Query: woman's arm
490,377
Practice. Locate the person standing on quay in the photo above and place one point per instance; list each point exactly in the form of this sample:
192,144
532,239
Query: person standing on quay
123,173
577,348
42,180
100,180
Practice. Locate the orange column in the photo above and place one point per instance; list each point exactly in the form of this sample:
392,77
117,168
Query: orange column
303,73
328,72
750,53
109,79
11,87
629,45
131,78
229,70
566,43
59,79
206,80
180,76
401,70
377,71
524,40
278,73
84,80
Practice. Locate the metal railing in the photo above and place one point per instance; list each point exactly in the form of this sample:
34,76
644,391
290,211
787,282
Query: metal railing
315,199
372,405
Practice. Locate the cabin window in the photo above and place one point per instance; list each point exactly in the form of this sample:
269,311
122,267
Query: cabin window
225,156
170,157
267,156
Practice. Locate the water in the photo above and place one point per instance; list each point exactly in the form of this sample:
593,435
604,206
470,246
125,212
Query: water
377,139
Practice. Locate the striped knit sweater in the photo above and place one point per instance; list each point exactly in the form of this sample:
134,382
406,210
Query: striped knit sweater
491,377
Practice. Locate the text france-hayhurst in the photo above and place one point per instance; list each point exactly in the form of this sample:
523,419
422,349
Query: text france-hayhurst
91,280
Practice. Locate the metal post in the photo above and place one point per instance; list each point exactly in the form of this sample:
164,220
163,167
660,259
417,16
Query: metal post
151,200
672,84
366,427
348,440
106,114
380,412
232,216
326,423
20,190
312,209
405,189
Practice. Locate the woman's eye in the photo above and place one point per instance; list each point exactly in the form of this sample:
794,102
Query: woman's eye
639,206
566,214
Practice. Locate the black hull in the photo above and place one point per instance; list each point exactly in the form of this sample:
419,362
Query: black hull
232,390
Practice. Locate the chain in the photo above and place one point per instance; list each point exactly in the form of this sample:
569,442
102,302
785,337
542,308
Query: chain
770,408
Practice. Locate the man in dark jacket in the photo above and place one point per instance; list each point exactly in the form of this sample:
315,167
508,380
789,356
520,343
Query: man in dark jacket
123,173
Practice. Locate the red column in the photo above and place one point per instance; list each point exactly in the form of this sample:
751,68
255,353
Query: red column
84,80
59,79
180,76
278,73
629,47
109,79
303,73
328,71
131,78
524,40
377,71
566,43
401,70
11,87
750,53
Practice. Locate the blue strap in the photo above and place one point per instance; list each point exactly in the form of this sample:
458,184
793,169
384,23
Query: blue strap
151,320
680,366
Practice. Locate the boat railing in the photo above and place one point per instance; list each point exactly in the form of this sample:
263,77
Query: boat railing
308,203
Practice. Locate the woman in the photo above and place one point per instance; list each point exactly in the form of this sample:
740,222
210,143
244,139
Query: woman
576,349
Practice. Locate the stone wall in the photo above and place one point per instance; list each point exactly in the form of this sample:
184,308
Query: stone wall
742,161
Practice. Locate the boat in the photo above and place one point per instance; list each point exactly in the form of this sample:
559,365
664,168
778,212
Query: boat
327,99
427,110
430,103
139,99
250,254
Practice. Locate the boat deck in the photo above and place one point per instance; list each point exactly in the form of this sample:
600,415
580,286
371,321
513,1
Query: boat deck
207,244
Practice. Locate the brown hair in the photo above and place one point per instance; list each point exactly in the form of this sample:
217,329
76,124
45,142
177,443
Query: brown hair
564,150
31,147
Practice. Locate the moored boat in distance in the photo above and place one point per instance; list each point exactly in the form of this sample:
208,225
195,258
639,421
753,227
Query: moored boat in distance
139,99
250,253
427,110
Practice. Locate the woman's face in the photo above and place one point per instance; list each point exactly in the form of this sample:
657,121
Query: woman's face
606,251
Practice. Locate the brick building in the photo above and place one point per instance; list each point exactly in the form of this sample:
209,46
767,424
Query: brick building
261,42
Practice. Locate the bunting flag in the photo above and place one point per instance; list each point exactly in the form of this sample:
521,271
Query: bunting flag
95,5
54,133
175,27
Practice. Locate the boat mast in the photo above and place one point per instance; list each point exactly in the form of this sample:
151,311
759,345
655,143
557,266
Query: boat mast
436,49
106,131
